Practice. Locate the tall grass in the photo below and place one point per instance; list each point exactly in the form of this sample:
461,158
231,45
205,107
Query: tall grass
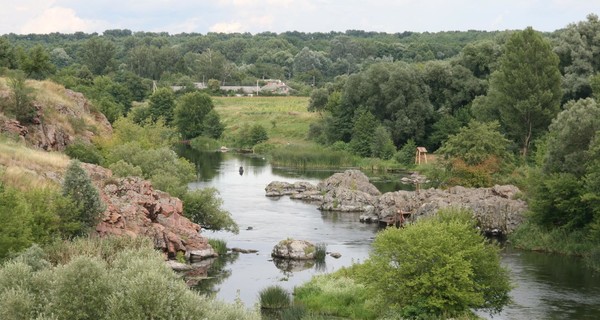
220,246
311,156
530,236
320,252
274,297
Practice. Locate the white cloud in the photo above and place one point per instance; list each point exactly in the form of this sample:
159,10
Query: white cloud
227,27
59,19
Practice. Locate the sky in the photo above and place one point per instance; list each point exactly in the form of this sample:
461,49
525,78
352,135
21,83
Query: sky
255,16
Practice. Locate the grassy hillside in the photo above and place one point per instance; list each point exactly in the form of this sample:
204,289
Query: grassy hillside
285,118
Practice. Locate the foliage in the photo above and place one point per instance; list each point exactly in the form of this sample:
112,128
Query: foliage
475,154
258,134
203,206
212,126
382,145
84,152
525,90
36,63
128,281
320,252
202,143
98,53
445,268
162,104
274,297
220,246
21,99
79,188
15,233
362,134
147,135
406,154
190,114
125,169
311,156
336,294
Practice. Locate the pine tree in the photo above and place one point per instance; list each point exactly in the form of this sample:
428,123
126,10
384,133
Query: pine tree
78,186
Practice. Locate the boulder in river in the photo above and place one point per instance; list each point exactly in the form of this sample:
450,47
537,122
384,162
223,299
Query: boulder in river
294,250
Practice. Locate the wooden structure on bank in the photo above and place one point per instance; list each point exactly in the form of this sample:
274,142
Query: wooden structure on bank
421,153
398,220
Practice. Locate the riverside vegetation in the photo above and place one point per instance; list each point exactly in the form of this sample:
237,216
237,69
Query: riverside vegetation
487,118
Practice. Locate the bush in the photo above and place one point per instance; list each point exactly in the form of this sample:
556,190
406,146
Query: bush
320,252
445,268
406,154
112,278
84,152
125,169
274,297
203,206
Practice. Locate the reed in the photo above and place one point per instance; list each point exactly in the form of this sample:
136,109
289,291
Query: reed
219,245
311,156
274,297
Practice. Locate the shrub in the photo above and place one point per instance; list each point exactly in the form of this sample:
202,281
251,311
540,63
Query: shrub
203,206
274,297
125,169
15,230
84,152
445,268
406,154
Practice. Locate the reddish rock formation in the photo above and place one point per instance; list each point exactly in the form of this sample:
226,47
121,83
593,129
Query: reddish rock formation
134,207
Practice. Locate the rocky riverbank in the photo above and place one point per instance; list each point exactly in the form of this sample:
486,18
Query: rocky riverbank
496,209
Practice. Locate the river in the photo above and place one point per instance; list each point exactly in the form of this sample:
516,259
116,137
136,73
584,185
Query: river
546,286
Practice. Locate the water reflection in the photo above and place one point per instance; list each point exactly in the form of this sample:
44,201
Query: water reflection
217,273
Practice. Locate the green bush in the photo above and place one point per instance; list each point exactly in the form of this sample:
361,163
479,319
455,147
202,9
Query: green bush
274,297
203,206
112,278
125,169
444,268
84,152
320,252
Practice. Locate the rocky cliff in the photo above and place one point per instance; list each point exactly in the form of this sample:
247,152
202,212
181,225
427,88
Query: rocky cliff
134,208
496,209
62,116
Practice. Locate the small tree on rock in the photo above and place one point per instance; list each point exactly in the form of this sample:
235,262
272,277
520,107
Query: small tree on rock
78,186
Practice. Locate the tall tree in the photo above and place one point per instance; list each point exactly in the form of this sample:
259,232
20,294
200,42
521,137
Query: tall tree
190,113
525,90
36,63
161,105
98,54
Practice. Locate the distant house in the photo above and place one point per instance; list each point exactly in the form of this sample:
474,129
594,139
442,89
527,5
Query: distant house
275,87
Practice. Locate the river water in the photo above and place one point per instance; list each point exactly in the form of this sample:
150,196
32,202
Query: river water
546,286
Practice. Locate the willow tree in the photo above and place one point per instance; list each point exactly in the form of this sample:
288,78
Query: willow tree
525,90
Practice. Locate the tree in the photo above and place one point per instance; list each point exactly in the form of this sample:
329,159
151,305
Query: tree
258,134
203,206
78,186
36,64
444,268
382,145
475,154
525,90
20,95
362,134
212,126
190,114
161,105
15,230
98,54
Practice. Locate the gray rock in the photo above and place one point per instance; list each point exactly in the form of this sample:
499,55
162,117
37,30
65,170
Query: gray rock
335,255
203,254
294,249
281,188
178,266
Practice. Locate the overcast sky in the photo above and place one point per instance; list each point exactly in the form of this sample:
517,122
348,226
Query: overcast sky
254,16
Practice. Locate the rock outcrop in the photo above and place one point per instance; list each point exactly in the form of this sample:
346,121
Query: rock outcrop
135,208
294,250
496,209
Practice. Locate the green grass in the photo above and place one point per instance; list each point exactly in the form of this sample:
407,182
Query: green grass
312,156
320,252
274,297
285,118
220,246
